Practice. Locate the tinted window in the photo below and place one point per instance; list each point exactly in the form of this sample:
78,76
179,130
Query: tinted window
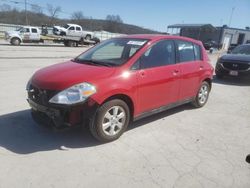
186,51
33,30
78,28
197,52
162,53
72,28
27,30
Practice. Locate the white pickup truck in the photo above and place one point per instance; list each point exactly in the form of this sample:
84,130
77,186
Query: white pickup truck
69,37
23,34
72,30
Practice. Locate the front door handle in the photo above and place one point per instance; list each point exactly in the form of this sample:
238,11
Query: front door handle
142,73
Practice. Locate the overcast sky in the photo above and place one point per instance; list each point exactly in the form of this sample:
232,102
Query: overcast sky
157,14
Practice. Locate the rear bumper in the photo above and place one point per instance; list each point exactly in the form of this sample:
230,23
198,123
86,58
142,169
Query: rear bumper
63,116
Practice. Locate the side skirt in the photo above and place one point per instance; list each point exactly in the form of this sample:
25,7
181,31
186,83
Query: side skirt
163,108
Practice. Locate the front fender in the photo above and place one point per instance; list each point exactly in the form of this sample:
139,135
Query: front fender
16,36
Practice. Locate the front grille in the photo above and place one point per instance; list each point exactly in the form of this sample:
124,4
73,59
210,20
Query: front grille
40,96
236,66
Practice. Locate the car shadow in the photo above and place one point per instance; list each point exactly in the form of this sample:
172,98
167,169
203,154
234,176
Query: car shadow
161,115
232,81
20,134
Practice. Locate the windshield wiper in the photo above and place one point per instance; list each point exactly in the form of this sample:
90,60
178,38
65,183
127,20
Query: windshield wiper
94,62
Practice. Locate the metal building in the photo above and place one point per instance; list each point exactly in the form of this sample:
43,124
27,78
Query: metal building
225,36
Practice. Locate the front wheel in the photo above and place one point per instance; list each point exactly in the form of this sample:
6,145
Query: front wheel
15,41
202,95
110,121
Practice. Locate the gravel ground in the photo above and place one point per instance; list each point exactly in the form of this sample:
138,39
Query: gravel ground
182,147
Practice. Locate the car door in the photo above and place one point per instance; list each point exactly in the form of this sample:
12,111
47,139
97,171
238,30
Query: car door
25,33
71,31
78,31
189,60
158,77
34,35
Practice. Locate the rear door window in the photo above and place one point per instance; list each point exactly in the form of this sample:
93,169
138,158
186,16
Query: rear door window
78,28
33,30
185,51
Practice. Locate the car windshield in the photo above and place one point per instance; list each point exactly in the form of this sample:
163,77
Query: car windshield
20,29
113,52
243,49
66,26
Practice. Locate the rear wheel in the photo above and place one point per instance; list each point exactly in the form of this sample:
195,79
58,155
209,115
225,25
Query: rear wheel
71,44
202,95
15,41
110,121
88,37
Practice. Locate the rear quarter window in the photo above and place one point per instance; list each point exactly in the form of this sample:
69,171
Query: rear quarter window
197,52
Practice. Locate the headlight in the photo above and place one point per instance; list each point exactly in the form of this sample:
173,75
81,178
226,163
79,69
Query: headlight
75,94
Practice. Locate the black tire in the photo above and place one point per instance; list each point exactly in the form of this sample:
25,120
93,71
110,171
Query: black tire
88,37
96,124
15,41
201,101
66,43
71,43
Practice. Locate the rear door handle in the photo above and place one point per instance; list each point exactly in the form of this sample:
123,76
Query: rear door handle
175,72
201,67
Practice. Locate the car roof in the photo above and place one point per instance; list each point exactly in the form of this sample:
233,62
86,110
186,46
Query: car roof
159,37
74,25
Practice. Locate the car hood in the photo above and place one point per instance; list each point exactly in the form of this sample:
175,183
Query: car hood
65,75
60,28
12,33
236,57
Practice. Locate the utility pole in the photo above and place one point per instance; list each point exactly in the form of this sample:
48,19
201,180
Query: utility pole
26,17
231,16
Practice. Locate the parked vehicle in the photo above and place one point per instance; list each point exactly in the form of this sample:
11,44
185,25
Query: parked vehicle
119,81
236,64
73,30
30,34
212,45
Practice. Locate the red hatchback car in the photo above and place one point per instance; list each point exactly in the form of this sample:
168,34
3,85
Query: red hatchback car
121,80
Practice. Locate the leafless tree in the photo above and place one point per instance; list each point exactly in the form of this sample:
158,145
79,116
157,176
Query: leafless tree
114,18
78,15
53,12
